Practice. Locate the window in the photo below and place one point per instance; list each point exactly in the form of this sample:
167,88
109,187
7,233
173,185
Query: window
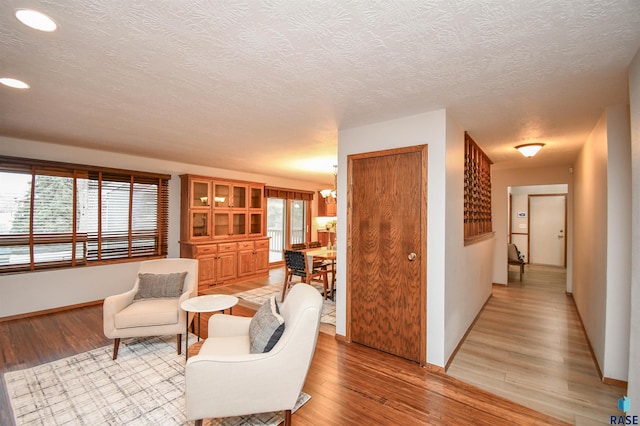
62,215
477,191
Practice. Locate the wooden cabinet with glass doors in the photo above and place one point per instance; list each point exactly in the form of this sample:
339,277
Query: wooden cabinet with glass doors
222,225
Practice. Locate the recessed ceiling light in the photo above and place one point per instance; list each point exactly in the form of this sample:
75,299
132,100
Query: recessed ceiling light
12,82
37,20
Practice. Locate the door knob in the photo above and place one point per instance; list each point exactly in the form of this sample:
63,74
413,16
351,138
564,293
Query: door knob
412,256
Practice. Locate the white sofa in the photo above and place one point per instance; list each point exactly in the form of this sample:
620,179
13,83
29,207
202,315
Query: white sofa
124,317
225,379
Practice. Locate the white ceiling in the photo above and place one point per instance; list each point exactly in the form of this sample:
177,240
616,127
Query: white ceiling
264,86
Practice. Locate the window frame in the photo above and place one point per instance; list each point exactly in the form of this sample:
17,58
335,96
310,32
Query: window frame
137,181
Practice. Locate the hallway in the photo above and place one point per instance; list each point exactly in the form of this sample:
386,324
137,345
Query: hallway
528,346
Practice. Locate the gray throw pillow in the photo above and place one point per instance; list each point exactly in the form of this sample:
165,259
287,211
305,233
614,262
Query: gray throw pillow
266,327
157,286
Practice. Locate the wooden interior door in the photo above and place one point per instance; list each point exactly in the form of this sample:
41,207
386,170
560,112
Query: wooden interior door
386,285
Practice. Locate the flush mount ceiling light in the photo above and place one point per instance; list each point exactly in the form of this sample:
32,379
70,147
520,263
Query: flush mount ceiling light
36,20
529,149
12,82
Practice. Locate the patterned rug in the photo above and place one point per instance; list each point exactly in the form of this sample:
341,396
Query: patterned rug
144,386
260,295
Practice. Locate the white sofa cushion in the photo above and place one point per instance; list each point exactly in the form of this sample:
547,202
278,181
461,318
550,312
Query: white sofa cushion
148,312
231,345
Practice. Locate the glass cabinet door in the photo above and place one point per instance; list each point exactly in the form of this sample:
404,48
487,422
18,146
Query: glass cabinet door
200,194
239,224
221,195
239,197
199,226
255,223
229,195
229,224
221,225
256,198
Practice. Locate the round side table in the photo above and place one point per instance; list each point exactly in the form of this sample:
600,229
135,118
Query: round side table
206,303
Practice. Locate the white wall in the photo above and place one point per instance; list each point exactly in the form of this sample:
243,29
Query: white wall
601,286
618,242
501,180
590,237
469,272
634,332
35,291
520,204
453,294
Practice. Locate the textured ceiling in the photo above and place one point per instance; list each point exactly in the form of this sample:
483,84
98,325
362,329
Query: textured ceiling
264,86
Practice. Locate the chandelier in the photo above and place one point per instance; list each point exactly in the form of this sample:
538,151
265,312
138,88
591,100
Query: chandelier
330,195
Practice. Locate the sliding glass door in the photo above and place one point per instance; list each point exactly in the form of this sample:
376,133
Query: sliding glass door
276,226
298,229
287,223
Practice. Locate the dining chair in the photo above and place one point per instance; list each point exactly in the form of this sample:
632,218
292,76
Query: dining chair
298,246
296,265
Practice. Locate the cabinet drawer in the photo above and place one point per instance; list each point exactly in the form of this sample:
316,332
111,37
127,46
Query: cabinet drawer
206,250
226,247
262,244
245,245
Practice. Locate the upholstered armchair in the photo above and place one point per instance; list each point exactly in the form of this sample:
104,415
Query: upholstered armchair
152,306
226,379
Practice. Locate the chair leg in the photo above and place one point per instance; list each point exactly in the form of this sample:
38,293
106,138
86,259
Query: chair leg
179,343
284,286
287,417
325,284
332,287
198,422
116,345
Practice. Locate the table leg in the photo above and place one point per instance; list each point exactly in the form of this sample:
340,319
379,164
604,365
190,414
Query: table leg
198,326
186,340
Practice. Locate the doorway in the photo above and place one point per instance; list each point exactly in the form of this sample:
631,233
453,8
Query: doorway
288,222
386,258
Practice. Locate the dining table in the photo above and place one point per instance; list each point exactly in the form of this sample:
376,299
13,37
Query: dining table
325,254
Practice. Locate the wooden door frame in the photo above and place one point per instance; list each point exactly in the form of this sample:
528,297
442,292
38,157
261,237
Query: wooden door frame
423,149
529,223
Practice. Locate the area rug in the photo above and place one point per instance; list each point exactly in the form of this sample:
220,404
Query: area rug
259,295
144,386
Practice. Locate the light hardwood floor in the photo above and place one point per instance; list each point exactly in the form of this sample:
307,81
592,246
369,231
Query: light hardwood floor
528,346
349,384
